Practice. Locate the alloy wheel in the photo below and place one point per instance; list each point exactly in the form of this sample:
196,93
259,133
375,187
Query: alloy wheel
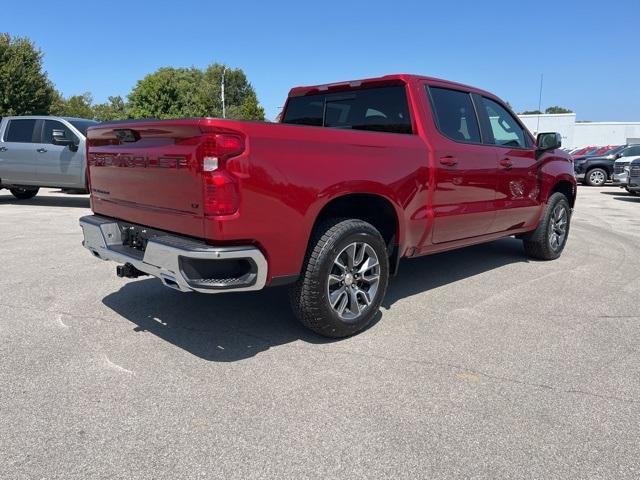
597,177
558,227
353,280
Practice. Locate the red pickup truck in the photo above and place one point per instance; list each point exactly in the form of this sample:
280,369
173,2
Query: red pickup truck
356,176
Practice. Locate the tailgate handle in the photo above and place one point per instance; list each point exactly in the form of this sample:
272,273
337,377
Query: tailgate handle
127,135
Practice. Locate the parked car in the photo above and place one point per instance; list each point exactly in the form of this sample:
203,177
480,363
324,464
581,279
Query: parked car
586,152
633,178
596,170
42,151
355,177
581,151
623,159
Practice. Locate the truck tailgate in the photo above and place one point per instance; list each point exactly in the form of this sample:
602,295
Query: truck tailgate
147,173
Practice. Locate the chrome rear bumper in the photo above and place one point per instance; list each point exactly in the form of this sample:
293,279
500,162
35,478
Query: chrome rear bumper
180,262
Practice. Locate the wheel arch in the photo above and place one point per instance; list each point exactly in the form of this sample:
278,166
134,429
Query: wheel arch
373,208
603,166
567,188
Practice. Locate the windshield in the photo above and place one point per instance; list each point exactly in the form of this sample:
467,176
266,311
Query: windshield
590,152
82,125
613,150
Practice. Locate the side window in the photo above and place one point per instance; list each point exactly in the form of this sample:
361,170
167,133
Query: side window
50,126
507,132
20,131
455,115
381,109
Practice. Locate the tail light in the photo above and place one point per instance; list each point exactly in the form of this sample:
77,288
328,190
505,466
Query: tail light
221,193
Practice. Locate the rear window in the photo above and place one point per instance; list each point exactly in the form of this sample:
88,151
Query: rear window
82,125
20,131
382,109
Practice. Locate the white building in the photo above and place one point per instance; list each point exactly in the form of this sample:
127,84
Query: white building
583,134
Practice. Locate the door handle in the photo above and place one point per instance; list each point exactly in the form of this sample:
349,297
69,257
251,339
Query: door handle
449,161
506,163
3,149
42,150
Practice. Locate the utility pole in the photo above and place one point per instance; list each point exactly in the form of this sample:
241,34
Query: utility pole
539,103
224,109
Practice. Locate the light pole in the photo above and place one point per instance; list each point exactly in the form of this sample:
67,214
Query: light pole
224,110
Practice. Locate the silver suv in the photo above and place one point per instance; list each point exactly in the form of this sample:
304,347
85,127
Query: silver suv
42,151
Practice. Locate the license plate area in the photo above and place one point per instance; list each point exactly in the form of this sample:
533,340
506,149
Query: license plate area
136,236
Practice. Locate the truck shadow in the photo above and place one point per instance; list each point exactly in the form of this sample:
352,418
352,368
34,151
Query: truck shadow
48,201
630,198
220,328
421,274
232,327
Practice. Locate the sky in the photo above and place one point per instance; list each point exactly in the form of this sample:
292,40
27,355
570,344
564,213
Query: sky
588,51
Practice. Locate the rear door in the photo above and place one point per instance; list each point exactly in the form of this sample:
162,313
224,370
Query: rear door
58,165
517,193
465,169
18,151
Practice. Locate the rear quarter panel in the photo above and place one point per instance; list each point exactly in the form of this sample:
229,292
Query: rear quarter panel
288,173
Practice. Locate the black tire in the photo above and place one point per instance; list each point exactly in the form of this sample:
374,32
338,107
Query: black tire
24,193
539,244
330,243
596,177
632,192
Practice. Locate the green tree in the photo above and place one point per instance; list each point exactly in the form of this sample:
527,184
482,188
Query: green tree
113,109
556,109
190,92
75,106
531,112
167,93
24,86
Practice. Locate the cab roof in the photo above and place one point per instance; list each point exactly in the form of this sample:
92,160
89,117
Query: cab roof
397,78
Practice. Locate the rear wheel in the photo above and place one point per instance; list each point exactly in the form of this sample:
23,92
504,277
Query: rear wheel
596,177
24,193
548,240
344,278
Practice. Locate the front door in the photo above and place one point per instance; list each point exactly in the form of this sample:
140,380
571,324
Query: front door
465,169
58,165
517,194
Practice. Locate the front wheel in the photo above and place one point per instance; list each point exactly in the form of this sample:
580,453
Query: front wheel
596,177
548,240
344,278
24,193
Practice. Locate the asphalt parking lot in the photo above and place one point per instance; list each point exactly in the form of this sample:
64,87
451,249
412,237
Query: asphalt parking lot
483,365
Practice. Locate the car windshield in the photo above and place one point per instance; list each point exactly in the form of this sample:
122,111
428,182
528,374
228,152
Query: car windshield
593,151
613,150
82,125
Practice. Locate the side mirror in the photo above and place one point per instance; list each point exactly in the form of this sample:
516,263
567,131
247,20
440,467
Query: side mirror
549,141
60,138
